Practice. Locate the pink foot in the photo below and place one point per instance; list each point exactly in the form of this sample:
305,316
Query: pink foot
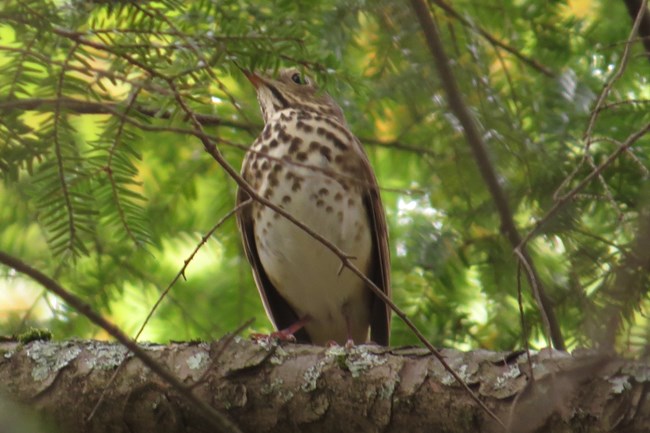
349,344
285,334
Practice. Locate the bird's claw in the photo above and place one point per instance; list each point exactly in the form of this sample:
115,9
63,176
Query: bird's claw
349,344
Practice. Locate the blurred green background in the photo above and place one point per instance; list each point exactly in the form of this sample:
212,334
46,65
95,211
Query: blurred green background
110,193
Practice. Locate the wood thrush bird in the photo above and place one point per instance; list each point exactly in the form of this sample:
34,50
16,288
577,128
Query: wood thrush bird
307,162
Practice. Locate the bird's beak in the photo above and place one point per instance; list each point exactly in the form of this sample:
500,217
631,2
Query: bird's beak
255,79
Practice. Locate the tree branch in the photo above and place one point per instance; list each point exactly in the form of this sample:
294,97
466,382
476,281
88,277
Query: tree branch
494,41
561,201
91,107
292,388
477,146
217,419
634,8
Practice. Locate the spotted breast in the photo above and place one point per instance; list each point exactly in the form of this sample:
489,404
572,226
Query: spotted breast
307,162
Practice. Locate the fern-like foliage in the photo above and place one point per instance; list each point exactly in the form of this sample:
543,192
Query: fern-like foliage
102,159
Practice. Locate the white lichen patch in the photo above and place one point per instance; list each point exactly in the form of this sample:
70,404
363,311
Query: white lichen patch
152,347
360,360
511,373
461,371
267,343
620,384
387,389
284,396
278,356
105,356
49,357
270,387
336,351
355,360
541,369
640,372
197,361
311,375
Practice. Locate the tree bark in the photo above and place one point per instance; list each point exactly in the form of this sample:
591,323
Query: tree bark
302,388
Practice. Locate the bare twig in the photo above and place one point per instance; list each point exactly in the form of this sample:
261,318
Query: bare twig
522,318
162,296
618,74
533,279
638,8
188,260
598,107
217,419
624,103
644,170
630,280
92,107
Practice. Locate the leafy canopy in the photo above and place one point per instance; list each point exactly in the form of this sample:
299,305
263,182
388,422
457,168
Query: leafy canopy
106,186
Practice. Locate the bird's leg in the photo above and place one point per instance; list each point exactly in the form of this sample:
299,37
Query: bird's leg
285,334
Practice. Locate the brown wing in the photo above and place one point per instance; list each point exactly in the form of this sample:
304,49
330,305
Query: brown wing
380,264
277,309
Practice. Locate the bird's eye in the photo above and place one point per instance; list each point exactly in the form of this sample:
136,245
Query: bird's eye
296,79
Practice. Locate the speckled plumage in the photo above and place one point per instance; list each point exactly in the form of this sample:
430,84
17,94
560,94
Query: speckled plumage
308,162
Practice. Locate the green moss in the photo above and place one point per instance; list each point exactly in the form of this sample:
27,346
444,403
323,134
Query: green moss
34,334
341,360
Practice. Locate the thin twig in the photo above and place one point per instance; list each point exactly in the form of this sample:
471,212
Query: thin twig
636,8
618,74
203,61
624,103
92,107
598,107
494,41
563,200
524,260
162,296
217,419
522,318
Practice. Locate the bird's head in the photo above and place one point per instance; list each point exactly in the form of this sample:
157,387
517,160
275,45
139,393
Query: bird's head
292,90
